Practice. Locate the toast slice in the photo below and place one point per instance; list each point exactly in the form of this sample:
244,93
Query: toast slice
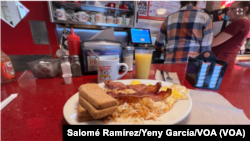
82,112
96,113
96,96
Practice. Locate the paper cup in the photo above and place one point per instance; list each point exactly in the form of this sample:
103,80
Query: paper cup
67,78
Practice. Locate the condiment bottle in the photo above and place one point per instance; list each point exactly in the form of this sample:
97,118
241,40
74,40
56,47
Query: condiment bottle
73,43
65,65
128,56
76,66
7,70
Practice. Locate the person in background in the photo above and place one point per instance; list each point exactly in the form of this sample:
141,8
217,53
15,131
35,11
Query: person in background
187,32
227,44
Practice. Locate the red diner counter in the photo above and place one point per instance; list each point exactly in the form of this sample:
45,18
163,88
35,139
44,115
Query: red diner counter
37,112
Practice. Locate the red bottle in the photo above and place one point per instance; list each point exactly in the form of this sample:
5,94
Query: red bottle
7,71
73,44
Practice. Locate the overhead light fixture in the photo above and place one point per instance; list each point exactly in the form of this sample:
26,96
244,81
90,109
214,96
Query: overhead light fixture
161,11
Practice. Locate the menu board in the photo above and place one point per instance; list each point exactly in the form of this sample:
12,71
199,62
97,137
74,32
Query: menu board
170,6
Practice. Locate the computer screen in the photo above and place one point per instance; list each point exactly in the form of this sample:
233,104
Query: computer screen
140,36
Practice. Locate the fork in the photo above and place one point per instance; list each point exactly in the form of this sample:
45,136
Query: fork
168,77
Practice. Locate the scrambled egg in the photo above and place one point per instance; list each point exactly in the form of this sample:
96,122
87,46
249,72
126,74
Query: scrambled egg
134,82
164,88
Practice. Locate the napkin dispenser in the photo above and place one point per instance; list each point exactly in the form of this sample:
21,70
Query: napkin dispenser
102,48
205,71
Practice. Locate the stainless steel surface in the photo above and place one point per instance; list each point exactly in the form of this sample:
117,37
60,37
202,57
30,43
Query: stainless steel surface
135,14
91,25
39,32
50,7
101,44
86,34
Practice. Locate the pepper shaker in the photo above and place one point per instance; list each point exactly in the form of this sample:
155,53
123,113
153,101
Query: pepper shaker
76,66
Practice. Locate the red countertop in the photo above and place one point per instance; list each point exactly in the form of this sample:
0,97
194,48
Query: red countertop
37,112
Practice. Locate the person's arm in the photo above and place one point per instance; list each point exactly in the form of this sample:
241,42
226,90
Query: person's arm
207,36
159,42
230,31
221,38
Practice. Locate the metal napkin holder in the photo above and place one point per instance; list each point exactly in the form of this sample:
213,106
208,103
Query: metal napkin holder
195,69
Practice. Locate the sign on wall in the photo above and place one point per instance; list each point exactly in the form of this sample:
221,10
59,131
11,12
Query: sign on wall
142,8
148,9
170,6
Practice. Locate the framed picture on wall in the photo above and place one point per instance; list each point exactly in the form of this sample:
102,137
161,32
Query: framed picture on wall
142,8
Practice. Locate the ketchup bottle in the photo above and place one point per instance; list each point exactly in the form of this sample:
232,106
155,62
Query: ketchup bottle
7,71
73,44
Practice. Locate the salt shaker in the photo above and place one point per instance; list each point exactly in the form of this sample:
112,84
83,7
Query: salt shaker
128,56
66,70
65,65
76,66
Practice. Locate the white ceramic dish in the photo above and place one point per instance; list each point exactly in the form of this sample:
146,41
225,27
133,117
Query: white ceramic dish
180,110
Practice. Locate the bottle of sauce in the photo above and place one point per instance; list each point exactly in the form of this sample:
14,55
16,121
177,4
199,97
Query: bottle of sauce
73,44
7,70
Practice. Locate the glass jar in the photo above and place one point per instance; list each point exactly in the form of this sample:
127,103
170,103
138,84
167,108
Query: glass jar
76,66
128,56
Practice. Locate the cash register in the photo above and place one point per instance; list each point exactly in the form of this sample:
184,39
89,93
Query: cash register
140,38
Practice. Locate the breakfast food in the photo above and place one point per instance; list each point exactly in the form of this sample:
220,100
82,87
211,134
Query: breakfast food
134,102
118,89
94,102
96,96
94,112
83,114
139,106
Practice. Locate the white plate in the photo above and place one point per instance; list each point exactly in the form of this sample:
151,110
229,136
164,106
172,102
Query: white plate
180,110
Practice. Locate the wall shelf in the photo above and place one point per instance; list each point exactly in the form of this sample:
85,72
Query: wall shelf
91,24
85,7
75,7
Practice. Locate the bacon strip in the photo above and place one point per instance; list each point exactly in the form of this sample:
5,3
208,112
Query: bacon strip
138,88
156,97
114,85
153,89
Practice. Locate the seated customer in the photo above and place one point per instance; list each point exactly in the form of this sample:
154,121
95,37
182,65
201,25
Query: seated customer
227,44
187,32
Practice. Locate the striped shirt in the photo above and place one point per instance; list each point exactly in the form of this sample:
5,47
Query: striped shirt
187,32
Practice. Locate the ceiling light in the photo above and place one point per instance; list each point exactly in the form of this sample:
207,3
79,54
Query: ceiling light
161,11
